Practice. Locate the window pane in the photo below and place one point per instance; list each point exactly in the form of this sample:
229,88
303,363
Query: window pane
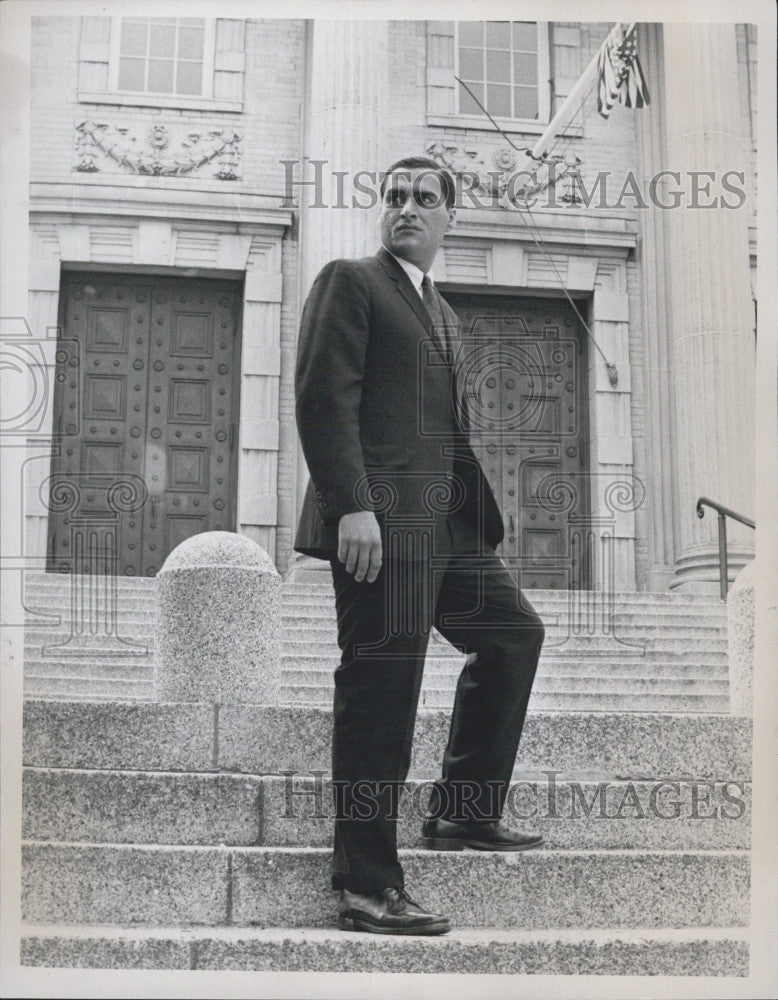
190,43
471,64
471,32
163,40
498,66
525,102
525,68
525,35
467,105
498,34
189,77
133,41
131,74
498,100
161,76
192,22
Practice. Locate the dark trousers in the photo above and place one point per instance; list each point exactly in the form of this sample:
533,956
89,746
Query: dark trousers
383,630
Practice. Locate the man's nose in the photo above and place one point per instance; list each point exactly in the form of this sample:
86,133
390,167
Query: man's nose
408,206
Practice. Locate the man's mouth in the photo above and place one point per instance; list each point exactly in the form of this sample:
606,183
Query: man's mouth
407,229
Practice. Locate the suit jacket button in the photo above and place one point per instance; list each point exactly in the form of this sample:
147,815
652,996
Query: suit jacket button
322,505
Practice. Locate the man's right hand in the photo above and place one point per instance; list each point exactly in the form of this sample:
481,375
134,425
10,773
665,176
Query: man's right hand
359,544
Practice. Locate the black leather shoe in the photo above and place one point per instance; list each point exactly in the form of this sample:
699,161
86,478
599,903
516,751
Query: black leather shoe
446,835
390,911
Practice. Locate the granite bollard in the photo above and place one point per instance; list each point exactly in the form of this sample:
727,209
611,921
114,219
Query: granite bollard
740,636
218,627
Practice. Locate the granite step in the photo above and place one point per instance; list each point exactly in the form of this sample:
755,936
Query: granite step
581,681
323,617
288,887
199,737
44,608
584,812
318,581
444,666
94,686
321,588
670,646
643,951
34,579
549,701
63,644
302,636
90,688
654,614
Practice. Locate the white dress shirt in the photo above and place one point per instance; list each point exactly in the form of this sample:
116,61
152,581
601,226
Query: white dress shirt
414,273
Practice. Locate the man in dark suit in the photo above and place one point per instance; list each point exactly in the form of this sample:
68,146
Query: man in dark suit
400,506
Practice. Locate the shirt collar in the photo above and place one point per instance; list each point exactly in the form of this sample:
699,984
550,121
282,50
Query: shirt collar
414,273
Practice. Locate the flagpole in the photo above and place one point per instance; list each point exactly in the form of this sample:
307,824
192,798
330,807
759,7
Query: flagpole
570,103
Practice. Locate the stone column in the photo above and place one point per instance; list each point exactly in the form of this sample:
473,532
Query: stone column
711,341
656,317
346,127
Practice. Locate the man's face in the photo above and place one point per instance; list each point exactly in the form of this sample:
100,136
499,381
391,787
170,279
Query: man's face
414,217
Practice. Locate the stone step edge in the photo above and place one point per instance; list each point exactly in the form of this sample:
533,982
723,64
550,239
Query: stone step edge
182,737
324,933
155,707
487,857
35,579
519,777
464,950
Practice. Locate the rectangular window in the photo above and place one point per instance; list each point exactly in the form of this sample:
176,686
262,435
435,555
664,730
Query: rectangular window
166,56
505,67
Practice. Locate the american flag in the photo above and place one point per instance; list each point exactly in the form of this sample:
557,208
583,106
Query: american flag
620,75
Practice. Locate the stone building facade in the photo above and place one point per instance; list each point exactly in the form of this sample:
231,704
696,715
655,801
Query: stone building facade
175,236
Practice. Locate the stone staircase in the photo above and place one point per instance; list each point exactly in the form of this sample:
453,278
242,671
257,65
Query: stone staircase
651,652
197,837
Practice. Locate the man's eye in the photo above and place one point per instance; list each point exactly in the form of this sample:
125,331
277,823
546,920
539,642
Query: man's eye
427,198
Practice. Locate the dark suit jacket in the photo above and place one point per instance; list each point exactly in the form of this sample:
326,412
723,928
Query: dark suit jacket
377,411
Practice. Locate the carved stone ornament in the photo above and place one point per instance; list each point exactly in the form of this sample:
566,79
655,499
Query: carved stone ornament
100,145
504,177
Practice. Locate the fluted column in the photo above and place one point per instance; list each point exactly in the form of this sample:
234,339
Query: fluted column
711,340
346,127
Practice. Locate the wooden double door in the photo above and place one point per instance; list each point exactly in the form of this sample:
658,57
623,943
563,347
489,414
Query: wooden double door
145,414
524,375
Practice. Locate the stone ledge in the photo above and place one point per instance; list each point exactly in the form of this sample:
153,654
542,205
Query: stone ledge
128,885
145,807
644,951
141,807
182,737
141,736
622,744
285,887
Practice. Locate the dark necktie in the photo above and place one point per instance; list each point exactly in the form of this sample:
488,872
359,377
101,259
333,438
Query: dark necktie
432,305
440,335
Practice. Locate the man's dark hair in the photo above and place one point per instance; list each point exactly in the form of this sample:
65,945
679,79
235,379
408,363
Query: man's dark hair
424,163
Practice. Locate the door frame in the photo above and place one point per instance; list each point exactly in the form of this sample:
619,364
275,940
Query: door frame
154,277
213,242
496,256
582,305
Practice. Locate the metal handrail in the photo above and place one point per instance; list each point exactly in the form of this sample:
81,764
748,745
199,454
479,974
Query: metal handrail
723,513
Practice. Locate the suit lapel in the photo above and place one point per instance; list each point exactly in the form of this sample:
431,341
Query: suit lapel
411,296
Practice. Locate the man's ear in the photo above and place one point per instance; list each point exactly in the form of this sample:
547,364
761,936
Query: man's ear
452,219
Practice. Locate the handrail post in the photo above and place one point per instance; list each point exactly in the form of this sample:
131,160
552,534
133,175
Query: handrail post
722,512
723,568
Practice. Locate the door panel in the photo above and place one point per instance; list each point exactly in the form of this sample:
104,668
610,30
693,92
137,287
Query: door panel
158,384
526,388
